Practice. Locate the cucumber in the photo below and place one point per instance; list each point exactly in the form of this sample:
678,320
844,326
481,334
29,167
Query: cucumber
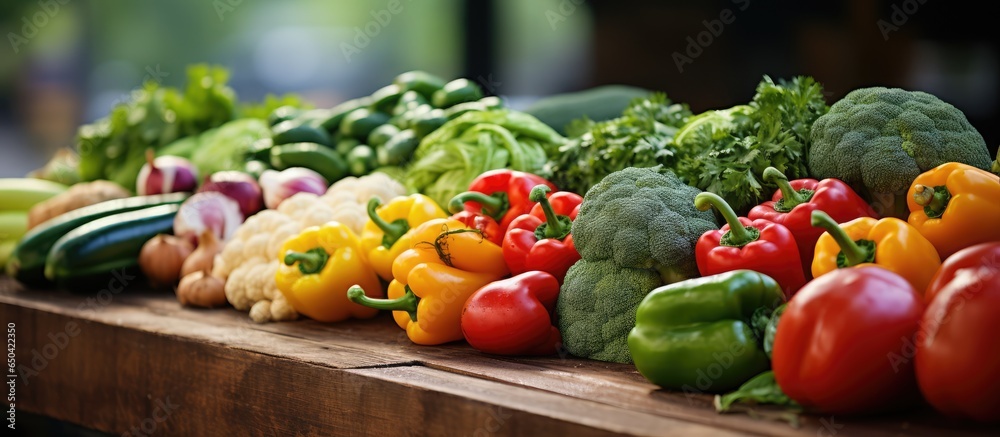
282,113
428,122
106,248
362,160
323,160
381,135
455,92
419,81
337,113
385,98
360,123
292,131
408,101
483,104
399,149
27,263
345,146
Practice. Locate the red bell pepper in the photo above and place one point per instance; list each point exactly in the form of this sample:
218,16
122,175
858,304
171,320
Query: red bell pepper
844,344
485,224
543,243
975,256
514,316
957,361
792,206
757,245
499,194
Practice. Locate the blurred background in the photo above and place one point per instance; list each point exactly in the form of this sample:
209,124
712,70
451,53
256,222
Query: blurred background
68,62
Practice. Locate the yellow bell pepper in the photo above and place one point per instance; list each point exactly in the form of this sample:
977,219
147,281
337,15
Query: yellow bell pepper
387,233
889,243
319,266
445,264
953,204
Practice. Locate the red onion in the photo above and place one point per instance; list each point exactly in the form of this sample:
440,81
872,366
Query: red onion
208,210
239,186
278,186
165,174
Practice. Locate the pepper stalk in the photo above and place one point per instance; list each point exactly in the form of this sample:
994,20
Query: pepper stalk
493,205
933,199
556,227
310,262
852,252
738,235
790,197
407,302
391,232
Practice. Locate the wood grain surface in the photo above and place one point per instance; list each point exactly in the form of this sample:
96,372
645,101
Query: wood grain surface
139,362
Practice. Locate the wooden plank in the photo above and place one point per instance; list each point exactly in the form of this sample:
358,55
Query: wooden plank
379,343
118,379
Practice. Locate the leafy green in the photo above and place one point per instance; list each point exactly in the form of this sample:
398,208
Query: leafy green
726,151
761,389
114,147
641,137
449,158
225,147
271,102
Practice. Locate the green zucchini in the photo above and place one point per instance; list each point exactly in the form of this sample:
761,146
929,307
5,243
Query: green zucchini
381,135
428,122
409,101
345,146
362,160
106,248
27,263
385,98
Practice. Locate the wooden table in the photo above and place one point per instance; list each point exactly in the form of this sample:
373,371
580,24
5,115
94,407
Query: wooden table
138,361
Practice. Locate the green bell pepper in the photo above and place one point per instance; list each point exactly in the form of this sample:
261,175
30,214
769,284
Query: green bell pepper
705,335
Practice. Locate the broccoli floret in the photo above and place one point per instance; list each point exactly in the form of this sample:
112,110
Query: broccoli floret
597,305
879,140
642,218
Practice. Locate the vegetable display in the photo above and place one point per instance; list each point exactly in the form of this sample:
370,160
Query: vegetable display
704,335
879,140
813,297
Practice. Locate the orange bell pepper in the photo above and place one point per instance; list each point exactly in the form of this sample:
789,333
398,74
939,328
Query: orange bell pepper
951,203
889,243
445,264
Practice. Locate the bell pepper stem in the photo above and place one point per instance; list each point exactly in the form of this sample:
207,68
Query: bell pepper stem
407,302
738,234
933,199
494,205
556,226
392,232
310,262
853,252
790,197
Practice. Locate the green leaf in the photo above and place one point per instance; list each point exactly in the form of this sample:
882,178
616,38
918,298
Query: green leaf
759,390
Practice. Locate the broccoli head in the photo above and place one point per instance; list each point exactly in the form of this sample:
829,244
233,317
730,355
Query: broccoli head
597,305
879,140
642,218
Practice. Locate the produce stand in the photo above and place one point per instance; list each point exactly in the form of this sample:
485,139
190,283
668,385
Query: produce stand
139,357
